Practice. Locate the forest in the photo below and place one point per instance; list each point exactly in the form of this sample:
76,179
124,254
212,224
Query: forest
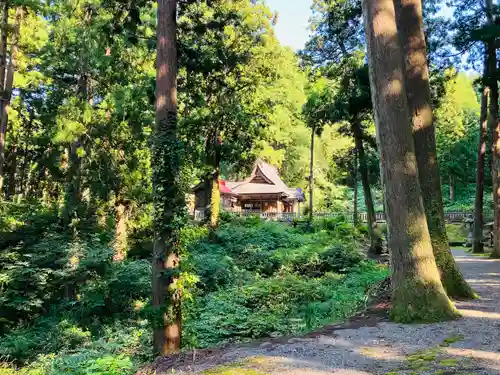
113,113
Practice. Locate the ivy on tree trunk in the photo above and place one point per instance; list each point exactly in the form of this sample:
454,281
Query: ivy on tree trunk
168,188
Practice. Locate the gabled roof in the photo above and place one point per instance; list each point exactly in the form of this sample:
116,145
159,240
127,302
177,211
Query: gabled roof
266,181
272,182
261,169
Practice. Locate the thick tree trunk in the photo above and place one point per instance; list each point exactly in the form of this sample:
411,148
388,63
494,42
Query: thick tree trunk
355,214
121,229
477,242
168,189
493,114
417,292
412,40
375,240
311,175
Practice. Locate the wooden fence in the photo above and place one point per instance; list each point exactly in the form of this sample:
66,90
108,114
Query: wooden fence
451,217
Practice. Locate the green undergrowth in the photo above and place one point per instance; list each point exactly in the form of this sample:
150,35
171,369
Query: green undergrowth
67,308
457,233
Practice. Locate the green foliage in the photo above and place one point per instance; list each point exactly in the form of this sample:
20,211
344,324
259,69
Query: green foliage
267,278
286,304
84,314
457,125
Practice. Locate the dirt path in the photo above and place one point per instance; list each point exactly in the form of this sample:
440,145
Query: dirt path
469,346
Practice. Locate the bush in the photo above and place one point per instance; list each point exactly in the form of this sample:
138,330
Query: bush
288,304
337,258
70,349
67,308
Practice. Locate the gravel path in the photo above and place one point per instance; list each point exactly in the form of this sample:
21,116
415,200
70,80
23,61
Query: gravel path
470,345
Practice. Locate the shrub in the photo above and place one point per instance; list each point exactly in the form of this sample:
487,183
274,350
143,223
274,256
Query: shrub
67,308
275,306
36,277
338,258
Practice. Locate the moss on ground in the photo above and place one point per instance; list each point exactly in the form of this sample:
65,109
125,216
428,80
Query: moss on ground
435,361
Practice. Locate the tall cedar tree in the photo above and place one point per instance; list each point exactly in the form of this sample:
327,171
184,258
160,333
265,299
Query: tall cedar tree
413,45
375,240
355,217
311,174
477,242
168,194
6,99
73,194
417,292
3,66
493,114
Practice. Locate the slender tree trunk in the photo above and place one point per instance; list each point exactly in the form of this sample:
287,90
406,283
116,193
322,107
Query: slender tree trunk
311,175
412,39
24,183
73,194
215,201
355,218
493,112
11,187
168,188
417,292
451,188
375,240
3,69
215,189
477,242
7,95
121,228
24,168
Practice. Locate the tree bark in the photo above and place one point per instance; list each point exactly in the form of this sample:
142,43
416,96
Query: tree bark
451,188
355,218
311,175
24,178
493,114
168,189
477,242
417,292
73,193
11,187
375,240
121,228
215,201
412,41
214,206
3,69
